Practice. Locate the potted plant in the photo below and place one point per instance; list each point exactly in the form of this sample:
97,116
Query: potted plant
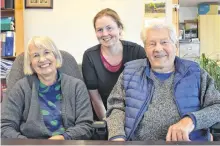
212,67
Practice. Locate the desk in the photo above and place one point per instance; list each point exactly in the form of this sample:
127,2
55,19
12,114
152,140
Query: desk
90,142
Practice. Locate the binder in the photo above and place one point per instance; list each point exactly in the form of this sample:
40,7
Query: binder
2,4
3,38
7,23
9,43
9,4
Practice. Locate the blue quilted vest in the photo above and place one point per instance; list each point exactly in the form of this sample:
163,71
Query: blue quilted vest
139,90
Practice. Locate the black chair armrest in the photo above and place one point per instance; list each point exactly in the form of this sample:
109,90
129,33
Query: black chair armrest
100,130
215,130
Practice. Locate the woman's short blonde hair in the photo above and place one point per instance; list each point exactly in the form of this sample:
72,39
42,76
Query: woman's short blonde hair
40,42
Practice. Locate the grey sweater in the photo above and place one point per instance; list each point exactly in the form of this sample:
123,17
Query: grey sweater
162,112
21,117
205,118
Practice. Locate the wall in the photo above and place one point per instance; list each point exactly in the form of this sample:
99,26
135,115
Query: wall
187,13
168,11
70,25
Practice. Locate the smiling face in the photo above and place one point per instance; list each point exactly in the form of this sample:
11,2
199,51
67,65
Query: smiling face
43,61
160,50
107,31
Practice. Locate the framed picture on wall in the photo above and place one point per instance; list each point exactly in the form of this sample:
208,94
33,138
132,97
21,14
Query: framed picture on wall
39,4
155,9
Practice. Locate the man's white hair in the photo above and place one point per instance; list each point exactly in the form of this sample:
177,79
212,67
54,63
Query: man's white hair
159,25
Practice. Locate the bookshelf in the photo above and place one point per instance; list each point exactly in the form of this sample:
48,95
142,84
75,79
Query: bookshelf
17,13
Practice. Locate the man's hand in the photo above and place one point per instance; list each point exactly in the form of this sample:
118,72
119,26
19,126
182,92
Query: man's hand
118,139
57,137
181,130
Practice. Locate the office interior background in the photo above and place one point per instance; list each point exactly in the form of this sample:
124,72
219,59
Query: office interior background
70,24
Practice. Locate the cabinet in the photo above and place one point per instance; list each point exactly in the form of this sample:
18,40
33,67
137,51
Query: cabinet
17,13
209,34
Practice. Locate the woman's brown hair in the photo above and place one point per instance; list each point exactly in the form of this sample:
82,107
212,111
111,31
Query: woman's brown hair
111,13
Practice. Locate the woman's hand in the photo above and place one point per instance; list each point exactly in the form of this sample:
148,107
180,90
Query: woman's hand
57,137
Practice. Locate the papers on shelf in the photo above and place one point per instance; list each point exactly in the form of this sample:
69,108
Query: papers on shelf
5,67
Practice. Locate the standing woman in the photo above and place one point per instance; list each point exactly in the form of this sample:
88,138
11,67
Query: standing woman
102,64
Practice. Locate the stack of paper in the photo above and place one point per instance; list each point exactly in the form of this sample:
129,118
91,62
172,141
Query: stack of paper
5,67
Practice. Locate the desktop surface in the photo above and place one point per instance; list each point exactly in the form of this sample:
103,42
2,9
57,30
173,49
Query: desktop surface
95,142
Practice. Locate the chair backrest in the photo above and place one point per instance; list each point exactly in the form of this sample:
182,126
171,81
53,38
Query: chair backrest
69,67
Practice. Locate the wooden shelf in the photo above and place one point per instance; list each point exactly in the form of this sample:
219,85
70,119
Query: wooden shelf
19,26
7,30
7,12
8,57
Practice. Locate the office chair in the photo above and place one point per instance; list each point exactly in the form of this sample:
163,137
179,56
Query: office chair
215,130
69,67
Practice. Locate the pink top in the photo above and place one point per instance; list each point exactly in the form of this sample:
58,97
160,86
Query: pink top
108,66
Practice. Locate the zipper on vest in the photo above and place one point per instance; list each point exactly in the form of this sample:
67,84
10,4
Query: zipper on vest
145,105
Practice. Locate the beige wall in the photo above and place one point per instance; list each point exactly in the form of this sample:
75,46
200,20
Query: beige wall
187,13
69,23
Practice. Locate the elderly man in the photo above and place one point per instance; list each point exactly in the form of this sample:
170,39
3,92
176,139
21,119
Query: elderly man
162,97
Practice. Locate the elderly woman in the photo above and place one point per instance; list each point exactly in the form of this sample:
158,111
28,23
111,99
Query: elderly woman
162,97
47,104
103,63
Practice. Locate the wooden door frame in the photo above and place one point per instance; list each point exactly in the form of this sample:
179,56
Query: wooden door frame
175,17
175,20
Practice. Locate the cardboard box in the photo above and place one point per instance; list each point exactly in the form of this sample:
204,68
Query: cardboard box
208,9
